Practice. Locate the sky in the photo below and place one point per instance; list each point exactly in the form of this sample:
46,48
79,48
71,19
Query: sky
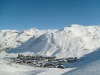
48,14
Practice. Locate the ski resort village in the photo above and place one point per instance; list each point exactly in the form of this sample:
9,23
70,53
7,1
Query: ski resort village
41,61
73,50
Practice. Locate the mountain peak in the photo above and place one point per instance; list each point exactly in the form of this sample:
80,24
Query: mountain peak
75,40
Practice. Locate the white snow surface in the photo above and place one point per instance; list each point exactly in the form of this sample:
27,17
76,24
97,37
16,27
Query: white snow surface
90,69
7,68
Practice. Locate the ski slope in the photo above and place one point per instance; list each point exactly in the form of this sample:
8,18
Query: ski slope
90,69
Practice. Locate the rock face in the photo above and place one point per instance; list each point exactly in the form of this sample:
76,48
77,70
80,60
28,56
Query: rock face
75,40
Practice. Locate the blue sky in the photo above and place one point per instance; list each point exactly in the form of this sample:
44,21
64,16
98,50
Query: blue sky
48,14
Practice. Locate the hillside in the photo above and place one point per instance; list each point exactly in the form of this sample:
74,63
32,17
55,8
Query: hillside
90,69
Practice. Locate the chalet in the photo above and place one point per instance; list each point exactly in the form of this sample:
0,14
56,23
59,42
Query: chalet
71,59
60,66
49,58
50,65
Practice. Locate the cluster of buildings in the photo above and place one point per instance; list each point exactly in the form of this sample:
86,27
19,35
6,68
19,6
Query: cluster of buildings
43,61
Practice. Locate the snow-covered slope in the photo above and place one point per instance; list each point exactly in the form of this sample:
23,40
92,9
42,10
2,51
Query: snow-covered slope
13,38
8,68
75,40
90,69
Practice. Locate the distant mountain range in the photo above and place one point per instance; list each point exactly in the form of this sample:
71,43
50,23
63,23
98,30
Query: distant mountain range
73,41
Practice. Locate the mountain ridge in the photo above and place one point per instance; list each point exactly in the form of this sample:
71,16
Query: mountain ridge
72,41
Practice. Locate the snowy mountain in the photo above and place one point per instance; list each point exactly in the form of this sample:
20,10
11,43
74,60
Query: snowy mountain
14,38
76,40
